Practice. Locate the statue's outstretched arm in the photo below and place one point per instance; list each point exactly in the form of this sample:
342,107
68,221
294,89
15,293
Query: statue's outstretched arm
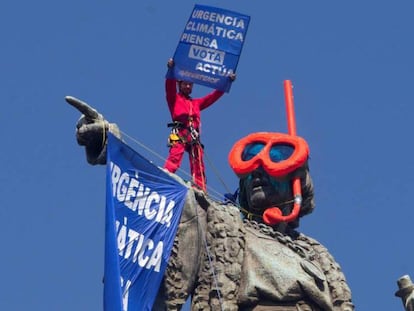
91,131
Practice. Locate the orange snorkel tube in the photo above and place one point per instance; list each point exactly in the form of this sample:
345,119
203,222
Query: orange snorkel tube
273,215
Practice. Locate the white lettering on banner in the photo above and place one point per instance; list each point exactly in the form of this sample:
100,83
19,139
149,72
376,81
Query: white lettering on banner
214,69
215,30
218,18
208,55
125,293
139,198
199,40
198,76
134,246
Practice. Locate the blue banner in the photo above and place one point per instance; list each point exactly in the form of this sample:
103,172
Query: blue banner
143,210
210,47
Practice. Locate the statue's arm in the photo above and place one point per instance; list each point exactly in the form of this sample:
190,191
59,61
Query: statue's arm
92,131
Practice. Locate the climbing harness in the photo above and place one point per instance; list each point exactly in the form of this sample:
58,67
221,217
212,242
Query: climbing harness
174,136
192,135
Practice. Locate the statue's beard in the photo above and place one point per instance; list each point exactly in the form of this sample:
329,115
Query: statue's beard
260,198
263,197
262,193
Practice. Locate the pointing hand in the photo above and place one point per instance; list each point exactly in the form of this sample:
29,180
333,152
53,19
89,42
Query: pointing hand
91,131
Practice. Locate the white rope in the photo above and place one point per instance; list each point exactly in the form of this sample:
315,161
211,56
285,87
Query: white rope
212,193
160,157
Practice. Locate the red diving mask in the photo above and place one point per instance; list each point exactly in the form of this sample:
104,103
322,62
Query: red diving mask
278,154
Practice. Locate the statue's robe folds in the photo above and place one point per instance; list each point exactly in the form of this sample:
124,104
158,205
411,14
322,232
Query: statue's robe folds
227,264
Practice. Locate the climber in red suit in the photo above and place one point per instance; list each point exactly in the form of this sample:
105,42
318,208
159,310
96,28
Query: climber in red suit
185,134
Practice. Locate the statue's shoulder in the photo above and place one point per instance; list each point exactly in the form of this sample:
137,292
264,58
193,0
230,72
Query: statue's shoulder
228,211
217,210
339,289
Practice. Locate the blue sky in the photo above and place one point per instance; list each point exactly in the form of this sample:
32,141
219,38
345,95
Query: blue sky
351,64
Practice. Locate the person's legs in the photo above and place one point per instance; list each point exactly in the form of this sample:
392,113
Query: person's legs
197,166
175,157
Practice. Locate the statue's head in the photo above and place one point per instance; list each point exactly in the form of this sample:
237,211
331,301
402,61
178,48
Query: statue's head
266,164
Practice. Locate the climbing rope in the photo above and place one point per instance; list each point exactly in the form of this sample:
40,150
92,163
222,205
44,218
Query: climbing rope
212,193
214,169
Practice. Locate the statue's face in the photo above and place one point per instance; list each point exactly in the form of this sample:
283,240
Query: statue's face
263,191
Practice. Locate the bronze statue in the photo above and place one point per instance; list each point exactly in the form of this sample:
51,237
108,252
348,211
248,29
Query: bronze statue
406,292
228,262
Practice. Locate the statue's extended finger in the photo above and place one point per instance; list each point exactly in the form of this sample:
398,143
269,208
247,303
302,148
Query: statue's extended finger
89,112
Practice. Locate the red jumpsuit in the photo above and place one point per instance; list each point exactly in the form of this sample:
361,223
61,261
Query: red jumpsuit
187,111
